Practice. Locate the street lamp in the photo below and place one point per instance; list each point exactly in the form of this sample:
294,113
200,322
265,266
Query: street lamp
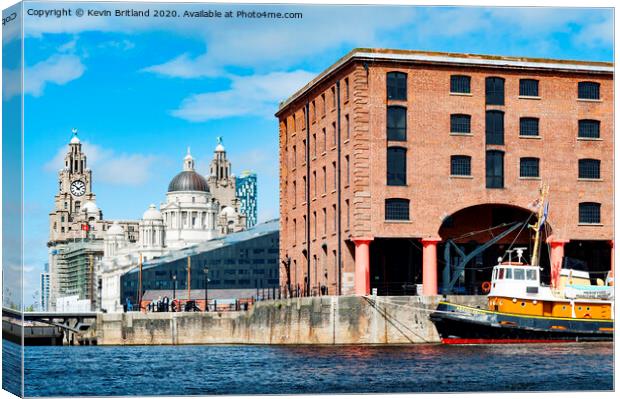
174,286
206,270
326,282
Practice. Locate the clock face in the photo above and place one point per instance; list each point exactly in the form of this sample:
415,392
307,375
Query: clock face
78,188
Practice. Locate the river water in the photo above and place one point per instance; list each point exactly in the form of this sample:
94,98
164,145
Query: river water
226,369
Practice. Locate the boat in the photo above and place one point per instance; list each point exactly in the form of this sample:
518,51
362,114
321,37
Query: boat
520,309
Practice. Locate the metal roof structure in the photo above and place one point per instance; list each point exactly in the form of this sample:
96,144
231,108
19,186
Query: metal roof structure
269,227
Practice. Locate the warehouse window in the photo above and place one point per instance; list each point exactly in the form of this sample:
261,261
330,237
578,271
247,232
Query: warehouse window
589,129
460,123
397,123
396,86
528,87
396,166
460,165
590,212
494,91
529,167
460,84
396,209
494,127
495,169
589,169
528,127
588,91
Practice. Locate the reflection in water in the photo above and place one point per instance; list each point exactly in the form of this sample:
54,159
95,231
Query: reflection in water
203,370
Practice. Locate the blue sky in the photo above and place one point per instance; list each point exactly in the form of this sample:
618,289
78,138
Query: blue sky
141,90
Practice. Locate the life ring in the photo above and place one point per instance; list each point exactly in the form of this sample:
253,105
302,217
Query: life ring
486,287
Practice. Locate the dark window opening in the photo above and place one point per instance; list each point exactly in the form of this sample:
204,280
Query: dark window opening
460,165
495,169
528,87
494,91
460,84
396,209
460,123
396,86
494,127
589,169
397,123
590,212
529,167
589,91
528,127
396,166
589,129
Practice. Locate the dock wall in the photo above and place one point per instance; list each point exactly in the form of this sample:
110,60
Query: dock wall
313,320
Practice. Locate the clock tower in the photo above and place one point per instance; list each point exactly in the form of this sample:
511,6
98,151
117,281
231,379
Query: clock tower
74,204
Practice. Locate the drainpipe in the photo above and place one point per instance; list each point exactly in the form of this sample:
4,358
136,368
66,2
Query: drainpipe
339,199
307,189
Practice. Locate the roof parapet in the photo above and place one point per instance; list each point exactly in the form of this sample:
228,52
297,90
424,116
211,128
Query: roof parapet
459,59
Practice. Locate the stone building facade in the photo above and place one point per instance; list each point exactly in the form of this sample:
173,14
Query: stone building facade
388,155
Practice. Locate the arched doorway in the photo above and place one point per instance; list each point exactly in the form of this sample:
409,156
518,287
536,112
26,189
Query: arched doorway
473,238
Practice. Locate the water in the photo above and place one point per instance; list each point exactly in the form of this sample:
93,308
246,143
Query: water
203,370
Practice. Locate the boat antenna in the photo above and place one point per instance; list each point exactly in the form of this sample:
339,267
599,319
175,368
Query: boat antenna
542,216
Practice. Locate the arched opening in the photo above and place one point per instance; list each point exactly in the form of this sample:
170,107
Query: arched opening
473,238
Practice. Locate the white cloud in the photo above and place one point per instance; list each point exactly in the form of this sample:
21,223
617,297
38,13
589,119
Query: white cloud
255,95
184,66
598,34
260,44
110,167
58,69
118,44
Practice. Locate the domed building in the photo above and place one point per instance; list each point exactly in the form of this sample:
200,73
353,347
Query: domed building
197,209
189,213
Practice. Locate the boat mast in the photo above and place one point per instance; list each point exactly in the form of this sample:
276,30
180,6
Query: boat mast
544,190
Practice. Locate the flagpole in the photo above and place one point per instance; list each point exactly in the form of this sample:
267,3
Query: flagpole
539,224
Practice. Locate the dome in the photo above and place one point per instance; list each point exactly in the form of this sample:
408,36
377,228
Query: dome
152,214
115,230
90,207
188,180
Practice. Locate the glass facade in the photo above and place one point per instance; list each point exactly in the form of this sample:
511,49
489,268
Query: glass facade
244,260
247,192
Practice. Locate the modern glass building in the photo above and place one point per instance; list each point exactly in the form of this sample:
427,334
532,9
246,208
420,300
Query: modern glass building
45,289
243,260
246,187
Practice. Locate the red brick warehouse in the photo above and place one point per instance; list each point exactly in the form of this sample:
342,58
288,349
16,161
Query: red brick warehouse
389,157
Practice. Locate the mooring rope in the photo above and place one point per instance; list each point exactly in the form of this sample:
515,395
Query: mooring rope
375,299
